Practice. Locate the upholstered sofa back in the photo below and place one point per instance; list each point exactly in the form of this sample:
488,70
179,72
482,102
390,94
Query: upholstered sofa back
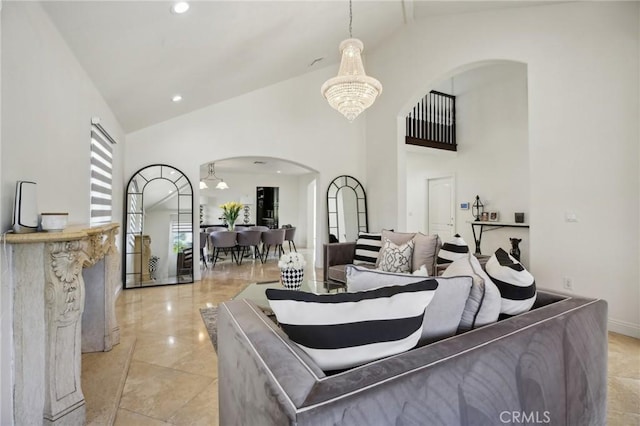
549,362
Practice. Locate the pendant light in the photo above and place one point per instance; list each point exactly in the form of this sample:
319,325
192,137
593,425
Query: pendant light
212,176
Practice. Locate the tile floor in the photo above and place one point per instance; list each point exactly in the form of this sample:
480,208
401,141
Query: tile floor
172,378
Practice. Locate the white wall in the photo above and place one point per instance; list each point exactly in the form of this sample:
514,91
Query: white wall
492,160
47,105
5,305
582,61
289,120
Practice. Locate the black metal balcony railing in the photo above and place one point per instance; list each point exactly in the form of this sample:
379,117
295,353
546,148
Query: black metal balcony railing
432,123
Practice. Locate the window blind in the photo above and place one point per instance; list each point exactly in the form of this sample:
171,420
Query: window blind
101,176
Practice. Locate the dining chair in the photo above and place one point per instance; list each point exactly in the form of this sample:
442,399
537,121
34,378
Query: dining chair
203,244
185,261
272,238
248,239
289,233
223,240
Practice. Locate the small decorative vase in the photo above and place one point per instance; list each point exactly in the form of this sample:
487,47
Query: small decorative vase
292,278
247,215
231,224
515,250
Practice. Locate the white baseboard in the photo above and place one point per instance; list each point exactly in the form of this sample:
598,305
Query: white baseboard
623,327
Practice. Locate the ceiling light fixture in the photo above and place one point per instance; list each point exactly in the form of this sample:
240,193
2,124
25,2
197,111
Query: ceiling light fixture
212,176
176,98
352,91
180,7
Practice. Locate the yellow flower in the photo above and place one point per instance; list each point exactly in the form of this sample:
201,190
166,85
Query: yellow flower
230,211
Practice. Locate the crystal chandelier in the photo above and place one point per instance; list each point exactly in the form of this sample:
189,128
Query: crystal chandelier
352,91
212,176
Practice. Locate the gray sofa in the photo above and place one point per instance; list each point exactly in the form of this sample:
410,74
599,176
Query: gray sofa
548,365
338,255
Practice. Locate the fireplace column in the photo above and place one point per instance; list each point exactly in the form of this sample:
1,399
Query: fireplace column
48,290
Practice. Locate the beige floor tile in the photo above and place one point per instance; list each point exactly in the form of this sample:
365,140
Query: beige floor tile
180,353
617,418
129,418
103,378
624,356
624,395
159,392
201,410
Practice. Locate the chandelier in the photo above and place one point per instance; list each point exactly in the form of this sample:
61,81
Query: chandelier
352,91
212,176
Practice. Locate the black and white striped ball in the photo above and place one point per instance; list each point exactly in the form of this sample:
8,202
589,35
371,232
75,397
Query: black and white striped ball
517,286
452,250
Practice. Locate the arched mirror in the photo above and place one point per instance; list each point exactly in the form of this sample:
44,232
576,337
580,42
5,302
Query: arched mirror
158,242
346,208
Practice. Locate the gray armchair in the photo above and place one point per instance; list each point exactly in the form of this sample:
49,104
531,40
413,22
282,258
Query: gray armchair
336,257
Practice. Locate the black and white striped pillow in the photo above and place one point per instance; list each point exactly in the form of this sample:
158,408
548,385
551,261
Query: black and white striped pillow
517,286
343,330
367,248
452,250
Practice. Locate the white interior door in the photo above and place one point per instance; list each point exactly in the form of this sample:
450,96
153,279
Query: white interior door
440,211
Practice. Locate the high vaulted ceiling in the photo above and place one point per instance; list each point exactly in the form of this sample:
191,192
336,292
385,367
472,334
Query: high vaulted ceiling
140,55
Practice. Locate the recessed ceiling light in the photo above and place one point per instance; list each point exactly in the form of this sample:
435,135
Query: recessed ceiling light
180,7
176,98
278,171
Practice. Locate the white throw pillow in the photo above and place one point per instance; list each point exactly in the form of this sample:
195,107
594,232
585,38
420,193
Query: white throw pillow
516,285
421,271
395,258
344,330
442,317
483,304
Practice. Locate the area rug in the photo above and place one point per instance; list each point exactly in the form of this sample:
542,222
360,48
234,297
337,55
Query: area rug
210,319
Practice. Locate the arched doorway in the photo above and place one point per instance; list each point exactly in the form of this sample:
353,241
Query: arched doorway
492,159
249,178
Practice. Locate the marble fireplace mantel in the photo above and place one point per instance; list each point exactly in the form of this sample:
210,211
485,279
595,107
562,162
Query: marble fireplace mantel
63,287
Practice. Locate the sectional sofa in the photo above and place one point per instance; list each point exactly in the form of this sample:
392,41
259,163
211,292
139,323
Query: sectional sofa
546,366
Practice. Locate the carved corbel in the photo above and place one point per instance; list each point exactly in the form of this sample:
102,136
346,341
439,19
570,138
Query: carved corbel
65,288
100,245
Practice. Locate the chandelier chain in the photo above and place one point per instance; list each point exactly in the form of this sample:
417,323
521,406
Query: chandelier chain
350,19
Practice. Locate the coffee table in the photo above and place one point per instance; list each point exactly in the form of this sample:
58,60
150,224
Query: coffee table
256,291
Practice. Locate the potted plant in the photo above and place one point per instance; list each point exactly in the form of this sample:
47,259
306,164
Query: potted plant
292,270
230,213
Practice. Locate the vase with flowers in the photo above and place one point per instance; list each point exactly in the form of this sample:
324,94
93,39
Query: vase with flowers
230,213
291,270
